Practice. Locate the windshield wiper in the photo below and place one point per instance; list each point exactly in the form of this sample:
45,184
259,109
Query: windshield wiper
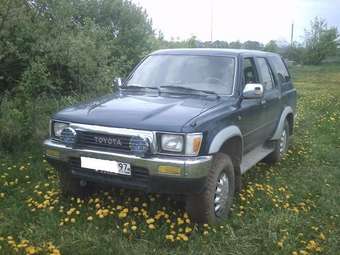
196,91
137,86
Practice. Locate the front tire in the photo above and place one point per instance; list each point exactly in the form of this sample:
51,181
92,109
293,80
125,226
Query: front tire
213,204
71,185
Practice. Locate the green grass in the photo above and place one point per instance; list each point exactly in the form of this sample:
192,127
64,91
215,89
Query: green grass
289,208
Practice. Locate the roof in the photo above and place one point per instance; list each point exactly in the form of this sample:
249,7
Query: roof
211,52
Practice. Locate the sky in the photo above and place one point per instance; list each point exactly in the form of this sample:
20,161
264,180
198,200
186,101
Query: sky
259,20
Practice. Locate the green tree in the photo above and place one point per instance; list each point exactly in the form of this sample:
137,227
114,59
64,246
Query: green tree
271,46
52,52
252,45
235,45
320,42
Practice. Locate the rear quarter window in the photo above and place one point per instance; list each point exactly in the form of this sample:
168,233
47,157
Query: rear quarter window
280,69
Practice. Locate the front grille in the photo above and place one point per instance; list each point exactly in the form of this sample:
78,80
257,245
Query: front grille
139,176
103,141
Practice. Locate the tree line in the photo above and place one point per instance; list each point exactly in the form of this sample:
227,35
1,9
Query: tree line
319,43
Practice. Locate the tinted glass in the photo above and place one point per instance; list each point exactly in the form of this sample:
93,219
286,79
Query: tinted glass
211,73
280,69
267,79
249,71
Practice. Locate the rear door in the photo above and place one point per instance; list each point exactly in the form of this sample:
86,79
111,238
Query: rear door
271,102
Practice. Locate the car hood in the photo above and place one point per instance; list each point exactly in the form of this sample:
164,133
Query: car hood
168,112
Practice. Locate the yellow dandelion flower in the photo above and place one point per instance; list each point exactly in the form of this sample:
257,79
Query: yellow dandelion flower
133,228
151,226
31,250
122,215
322,236
170,238
303,252
150,221
188,229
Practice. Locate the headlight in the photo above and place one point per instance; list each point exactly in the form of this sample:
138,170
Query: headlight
172,143
57,128
175,143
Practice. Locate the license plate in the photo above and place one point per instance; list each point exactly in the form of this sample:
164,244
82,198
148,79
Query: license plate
108,166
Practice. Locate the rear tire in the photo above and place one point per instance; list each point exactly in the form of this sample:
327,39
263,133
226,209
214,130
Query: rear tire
213,204
280,146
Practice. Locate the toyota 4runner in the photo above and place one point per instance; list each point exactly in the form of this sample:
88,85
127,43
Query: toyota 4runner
185,121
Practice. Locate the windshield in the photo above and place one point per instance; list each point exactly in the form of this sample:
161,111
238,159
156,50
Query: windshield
207,73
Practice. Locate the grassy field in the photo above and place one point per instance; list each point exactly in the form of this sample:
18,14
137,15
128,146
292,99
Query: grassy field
289,208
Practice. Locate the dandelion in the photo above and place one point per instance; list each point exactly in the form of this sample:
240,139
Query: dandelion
322,236
151,226
122,215
188,229
170,238
150,221
280,244
31,250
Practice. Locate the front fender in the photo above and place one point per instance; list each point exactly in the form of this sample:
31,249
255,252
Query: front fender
222,136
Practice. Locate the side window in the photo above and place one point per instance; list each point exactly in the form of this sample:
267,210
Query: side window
249,71
267,78
281,69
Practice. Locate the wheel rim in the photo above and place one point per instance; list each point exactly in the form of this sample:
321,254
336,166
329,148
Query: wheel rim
283,141
221,194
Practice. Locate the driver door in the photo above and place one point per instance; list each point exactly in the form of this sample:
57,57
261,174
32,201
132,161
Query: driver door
252,115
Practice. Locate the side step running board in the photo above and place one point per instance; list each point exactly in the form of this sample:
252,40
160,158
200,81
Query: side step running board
254,156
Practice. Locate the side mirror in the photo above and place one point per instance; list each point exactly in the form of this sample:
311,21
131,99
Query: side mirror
117,82
252,91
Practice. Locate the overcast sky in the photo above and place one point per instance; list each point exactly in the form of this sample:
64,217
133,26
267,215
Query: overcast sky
260,20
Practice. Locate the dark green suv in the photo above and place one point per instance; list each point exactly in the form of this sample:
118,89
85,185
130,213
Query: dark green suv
185,121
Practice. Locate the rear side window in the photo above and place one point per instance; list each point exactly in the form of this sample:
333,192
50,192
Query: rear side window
266,75
281,69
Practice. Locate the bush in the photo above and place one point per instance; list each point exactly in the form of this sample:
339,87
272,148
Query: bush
53,53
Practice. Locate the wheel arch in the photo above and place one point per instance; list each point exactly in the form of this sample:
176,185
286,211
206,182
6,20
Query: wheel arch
230,141
288,114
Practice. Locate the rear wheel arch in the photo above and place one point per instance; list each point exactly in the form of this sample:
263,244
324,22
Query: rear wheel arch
287,114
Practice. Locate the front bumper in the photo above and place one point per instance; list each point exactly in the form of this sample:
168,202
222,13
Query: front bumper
146,175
